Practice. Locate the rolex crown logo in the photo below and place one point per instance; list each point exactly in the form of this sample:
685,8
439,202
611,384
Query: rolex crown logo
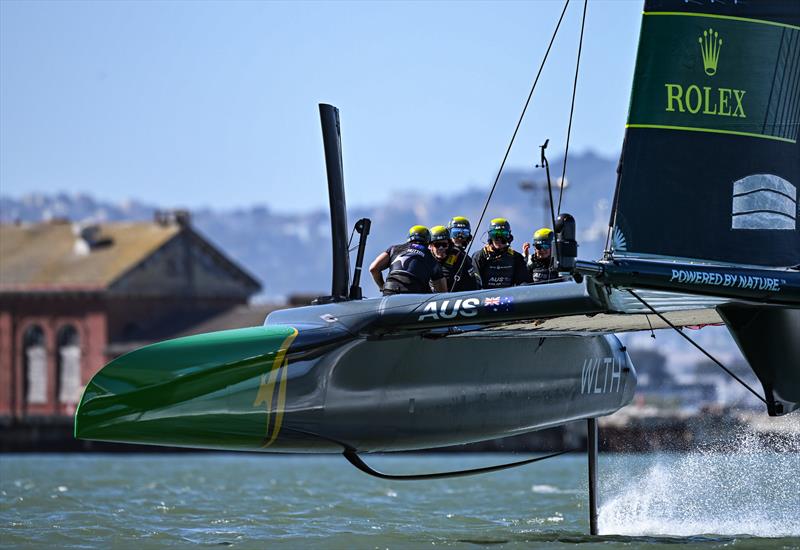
710,45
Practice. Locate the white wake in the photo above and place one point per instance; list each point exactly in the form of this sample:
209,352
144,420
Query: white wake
744,488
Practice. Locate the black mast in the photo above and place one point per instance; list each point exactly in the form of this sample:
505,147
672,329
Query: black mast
331,137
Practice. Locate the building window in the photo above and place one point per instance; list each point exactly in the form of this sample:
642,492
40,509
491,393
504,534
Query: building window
69,365
35,358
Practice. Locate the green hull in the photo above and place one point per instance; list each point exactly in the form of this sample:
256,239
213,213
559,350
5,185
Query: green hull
198,391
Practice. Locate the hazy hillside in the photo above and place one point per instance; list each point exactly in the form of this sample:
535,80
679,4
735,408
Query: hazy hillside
290,253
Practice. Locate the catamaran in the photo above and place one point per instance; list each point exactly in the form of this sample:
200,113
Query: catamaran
703,231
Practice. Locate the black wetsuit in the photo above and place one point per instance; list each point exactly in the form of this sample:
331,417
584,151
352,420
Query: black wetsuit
500,269
411,269
464,278
541,271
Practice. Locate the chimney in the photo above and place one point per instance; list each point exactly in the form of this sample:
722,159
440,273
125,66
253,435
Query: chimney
179,217
88,238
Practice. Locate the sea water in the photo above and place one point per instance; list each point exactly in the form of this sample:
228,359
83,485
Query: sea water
748,498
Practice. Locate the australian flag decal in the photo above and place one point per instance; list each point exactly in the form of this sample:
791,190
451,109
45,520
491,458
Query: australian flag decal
498,304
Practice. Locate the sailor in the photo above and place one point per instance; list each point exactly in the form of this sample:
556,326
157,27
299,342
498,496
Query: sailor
461,235
498,264
540,264
456,265
460,231
412,267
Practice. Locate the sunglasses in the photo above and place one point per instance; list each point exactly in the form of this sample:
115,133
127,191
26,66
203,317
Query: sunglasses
542,246
439,245
456,233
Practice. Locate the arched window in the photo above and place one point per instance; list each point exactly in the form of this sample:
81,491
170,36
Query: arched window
69,365
35,359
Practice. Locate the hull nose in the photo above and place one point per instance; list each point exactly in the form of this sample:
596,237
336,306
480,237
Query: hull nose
212,390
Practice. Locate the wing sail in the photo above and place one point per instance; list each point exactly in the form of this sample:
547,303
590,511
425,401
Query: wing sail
711,160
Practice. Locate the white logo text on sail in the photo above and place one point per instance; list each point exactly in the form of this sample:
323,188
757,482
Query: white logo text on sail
764,201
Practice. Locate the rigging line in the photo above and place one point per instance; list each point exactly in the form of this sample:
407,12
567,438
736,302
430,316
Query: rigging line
695,344
652,332
354,459
350,240
514,135
612,218
571,109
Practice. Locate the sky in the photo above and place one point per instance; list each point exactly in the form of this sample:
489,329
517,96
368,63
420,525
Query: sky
214,104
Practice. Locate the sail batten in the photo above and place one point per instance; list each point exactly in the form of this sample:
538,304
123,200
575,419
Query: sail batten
713,131
725,17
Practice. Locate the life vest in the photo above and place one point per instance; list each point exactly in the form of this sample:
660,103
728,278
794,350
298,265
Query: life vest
459,271
500,269
411,268
541,271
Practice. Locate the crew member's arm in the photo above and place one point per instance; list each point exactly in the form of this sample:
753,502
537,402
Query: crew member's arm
438,280
469,271
521,273
376,268
526,251
529,258
477,262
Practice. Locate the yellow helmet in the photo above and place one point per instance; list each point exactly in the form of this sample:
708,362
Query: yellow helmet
459,228
439,233
500,228
458,221
419,234
545,234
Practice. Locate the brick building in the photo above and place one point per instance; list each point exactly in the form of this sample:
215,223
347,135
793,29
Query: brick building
73,297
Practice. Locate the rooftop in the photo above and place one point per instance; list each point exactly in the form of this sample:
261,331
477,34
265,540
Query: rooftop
64,256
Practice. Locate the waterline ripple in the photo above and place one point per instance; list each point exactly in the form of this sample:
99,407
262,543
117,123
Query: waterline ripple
253,501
